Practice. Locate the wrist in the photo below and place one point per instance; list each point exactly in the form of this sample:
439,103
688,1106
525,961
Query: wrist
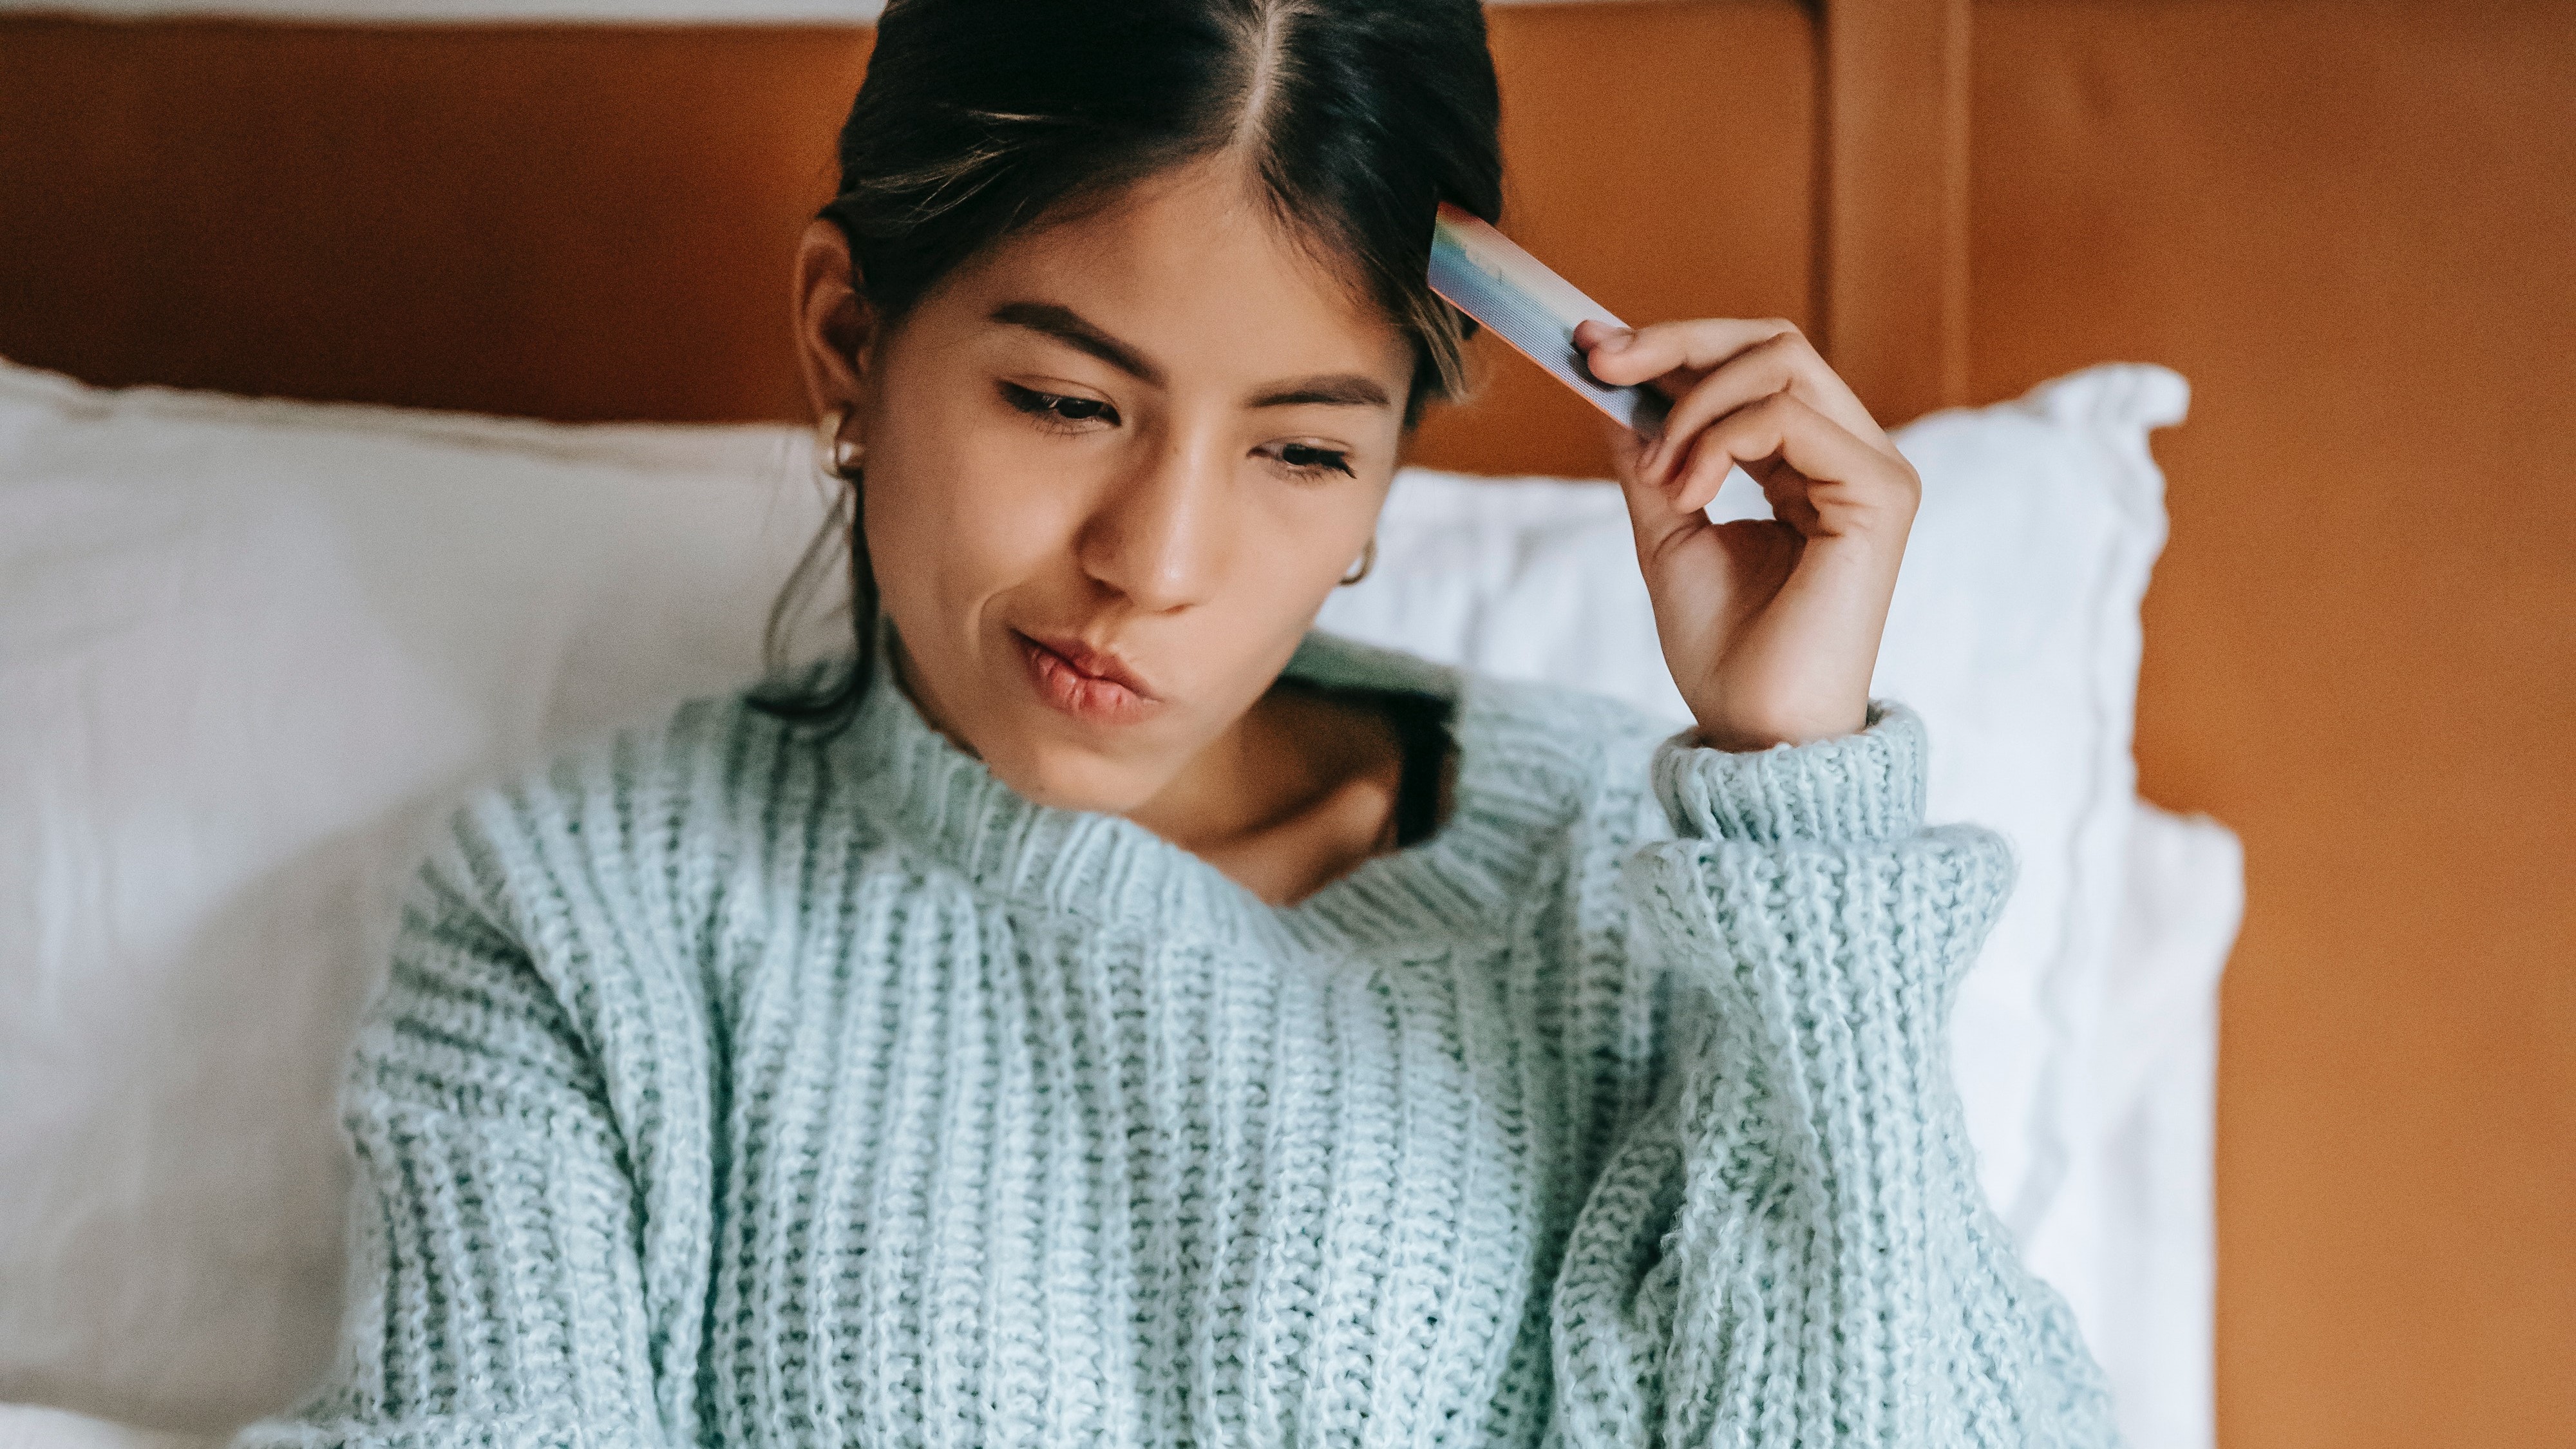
1742,738
1867,785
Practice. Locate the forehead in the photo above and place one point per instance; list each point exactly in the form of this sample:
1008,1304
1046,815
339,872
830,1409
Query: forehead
1193,267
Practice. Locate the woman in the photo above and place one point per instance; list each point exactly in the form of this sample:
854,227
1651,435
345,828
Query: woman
1098,1009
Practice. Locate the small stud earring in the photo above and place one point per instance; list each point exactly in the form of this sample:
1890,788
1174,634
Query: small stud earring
841,455
1368,560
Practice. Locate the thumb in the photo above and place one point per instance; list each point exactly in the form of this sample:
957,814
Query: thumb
1650,509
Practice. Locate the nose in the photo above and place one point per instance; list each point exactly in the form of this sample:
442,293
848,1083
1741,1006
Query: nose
1160,531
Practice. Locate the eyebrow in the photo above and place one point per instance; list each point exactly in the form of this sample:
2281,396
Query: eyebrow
1074,330
1340,389
1065,325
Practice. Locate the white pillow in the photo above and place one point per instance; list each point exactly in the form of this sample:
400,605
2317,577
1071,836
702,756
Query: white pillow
247,648
2132,1237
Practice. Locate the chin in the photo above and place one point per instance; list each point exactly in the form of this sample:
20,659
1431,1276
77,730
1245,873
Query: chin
1069,777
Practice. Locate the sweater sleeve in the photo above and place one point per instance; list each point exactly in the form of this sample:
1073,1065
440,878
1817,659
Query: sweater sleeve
494,1296
1790,1246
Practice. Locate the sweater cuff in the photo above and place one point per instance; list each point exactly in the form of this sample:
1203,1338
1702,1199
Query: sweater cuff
1867,786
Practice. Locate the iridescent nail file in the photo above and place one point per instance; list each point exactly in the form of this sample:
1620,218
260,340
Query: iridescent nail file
1486,276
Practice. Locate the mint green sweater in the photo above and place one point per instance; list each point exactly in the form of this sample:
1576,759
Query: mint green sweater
731,1088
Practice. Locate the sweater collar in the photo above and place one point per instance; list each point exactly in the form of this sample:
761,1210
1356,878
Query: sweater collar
1460,883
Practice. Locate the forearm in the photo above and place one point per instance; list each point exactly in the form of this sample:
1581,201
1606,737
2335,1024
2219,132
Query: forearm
1828,1269
495,1292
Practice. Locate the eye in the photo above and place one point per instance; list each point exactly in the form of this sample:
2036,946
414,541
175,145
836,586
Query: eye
1306,460
1061,410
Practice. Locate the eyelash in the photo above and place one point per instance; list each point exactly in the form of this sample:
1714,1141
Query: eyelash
1048,409
1322,461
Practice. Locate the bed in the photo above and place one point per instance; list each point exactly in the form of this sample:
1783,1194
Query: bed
588,223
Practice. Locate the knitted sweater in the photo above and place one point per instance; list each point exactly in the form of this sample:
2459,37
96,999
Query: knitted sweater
735,1088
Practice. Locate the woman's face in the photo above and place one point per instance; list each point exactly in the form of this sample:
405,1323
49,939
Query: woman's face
1113,467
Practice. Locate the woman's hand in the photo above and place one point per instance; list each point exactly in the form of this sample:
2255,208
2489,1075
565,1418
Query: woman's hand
1770,626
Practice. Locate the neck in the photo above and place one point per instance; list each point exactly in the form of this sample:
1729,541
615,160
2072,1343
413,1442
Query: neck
1301,789
1294,791
1239,782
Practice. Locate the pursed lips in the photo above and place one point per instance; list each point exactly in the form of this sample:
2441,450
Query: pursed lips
1081,680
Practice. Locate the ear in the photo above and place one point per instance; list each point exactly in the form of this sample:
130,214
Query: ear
835,327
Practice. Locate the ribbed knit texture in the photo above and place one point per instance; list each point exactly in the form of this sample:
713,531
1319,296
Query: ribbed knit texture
735,1089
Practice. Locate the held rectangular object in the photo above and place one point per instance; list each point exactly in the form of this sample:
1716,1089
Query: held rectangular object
1485,275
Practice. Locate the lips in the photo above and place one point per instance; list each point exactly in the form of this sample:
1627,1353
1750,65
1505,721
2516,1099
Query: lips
1087,683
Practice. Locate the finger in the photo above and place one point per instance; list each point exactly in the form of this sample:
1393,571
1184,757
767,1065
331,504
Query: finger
1645,353
1592,332
1782,363
1597,340
1839,469
1650,509
1784,443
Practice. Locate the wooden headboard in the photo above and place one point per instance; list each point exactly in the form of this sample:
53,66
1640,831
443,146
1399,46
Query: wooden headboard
584,223
2351,223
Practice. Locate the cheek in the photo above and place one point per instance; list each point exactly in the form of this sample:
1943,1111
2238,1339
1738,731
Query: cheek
1300,541
959,506
1317,530
1292,548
